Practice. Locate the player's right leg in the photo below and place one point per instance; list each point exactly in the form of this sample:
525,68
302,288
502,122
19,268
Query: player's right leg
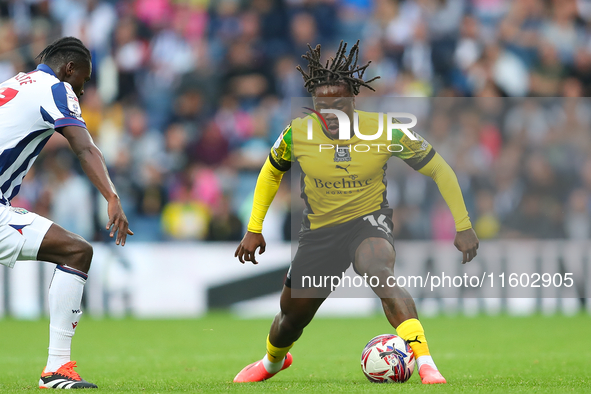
320,254
287,327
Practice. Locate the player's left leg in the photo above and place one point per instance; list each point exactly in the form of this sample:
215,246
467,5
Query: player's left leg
46,241
375,256
73,256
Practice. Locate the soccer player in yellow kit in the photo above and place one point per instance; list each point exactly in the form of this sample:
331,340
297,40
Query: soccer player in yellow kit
346,218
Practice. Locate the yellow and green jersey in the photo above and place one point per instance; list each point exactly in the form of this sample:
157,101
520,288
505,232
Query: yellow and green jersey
344,179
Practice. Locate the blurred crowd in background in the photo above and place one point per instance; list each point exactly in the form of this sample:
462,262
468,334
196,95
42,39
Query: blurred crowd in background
187,96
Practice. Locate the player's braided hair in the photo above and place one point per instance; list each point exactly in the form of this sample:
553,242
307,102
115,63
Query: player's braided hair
339,69
65,50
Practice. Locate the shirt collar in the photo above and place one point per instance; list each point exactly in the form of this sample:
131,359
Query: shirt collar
46,68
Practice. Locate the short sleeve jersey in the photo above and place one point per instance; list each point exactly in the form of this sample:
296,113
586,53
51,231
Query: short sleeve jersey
32,106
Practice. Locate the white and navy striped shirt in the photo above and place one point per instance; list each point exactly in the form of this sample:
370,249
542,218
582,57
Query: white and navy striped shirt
32,107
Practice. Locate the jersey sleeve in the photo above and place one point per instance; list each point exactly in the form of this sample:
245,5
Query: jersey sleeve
416,153
67,110
281,153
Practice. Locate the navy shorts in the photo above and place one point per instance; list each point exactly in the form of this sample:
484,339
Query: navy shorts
331,250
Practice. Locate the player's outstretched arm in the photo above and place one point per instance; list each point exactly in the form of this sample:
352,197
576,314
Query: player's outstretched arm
266,188
93,164
466,240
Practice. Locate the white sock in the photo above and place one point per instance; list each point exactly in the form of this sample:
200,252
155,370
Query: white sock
428,360
272,367
65,295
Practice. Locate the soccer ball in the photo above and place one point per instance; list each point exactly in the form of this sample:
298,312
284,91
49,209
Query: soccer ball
387,359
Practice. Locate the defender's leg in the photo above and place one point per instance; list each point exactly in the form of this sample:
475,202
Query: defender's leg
73,256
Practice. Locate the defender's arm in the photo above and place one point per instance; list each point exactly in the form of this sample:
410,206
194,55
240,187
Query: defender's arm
94,166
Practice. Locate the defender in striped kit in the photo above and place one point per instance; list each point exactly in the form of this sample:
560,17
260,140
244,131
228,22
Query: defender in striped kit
32,107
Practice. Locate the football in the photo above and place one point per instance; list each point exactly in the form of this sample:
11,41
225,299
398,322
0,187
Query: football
387,358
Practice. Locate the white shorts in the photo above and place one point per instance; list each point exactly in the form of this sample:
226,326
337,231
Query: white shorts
21,234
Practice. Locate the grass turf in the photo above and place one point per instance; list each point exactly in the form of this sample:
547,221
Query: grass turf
483,354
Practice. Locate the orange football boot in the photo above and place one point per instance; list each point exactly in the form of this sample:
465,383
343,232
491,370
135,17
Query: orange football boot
256,372
64,378
430,375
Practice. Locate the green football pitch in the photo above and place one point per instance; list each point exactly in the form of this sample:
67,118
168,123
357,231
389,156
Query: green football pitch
482,354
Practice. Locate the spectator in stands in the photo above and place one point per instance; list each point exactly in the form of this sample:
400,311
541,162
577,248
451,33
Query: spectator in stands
191,90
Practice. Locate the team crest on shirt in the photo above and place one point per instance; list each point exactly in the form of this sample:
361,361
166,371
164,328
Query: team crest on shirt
73,103
341,153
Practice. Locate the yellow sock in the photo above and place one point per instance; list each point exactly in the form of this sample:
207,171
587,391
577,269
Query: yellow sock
412,331
276,354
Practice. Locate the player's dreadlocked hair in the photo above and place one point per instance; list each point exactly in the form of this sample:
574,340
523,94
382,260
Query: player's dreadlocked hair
340,69
65,50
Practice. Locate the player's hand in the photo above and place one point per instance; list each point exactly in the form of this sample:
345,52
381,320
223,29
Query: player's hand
467,242
118,222
248,246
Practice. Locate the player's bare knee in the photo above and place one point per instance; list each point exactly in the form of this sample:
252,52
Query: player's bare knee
381,267
81,255
374,255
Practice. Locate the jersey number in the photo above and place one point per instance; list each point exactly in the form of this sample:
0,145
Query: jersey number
7,94
380,223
